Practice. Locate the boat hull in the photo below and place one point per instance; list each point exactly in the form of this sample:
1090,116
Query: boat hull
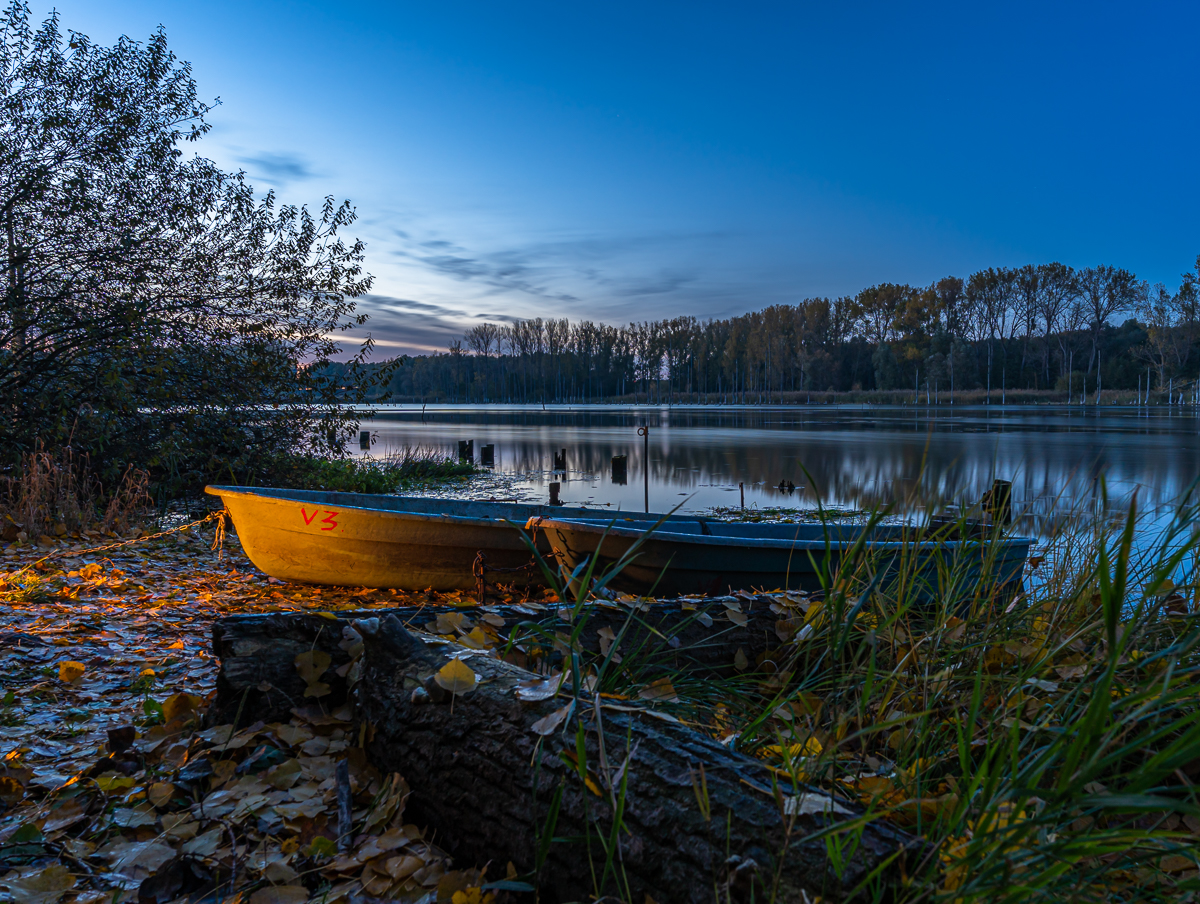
405,543
673,563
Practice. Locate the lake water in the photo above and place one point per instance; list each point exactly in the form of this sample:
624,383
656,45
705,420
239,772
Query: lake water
846,457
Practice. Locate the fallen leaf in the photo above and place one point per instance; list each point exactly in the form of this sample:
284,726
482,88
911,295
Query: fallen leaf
11,790
69,813
606,637
449,623
137,858
402,866
311,665
283,775
69,671
807,804
456,677
1041,685
661,690
738,618
533,690
39,886
203,845
279,872
280,894
160,793
179,705
547,724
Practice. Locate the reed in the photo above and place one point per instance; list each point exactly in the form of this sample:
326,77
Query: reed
58,493
1047,744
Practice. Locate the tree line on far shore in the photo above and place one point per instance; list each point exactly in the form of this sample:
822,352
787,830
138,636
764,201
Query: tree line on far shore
1033,328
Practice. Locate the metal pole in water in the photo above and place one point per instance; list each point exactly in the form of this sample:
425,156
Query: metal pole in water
644,432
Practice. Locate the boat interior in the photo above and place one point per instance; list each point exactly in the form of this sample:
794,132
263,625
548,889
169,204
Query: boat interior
421,505
749,530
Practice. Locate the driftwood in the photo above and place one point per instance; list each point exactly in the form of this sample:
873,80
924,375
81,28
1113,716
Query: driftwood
486,782
258,678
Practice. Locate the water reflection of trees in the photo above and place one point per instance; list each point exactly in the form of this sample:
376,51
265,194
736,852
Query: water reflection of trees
855,459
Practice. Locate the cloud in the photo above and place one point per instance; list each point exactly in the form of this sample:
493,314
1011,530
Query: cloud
278,169
404,326
441,285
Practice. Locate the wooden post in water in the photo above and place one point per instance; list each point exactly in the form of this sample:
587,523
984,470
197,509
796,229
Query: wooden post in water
364,440
554,488
644,432
466,450
742,490
620,469
487,455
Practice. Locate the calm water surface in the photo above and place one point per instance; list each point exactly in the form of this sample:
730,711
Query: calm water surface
847,457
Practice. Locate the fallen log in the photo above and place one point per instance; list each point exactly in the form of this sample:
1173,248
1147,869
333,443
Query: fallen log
698,822
258,678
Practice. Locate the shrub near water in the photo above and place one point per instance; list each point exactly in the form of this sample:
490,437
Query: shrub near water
403,469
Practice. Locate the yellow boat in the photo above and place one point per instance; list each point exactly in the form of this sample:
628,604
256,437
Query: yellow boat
401,542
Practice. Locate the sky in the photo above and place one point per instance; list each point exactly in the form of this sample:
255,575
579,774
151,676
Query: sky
631,161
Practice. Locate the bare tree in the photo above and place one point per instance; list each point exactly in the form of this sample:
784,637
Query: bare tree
1166,346
1105,291
482,339
1056,289
990,294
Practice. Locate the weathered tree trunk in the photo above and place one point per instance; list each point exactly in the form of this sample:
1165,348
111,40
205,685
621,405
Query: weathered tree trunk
258,677
698,822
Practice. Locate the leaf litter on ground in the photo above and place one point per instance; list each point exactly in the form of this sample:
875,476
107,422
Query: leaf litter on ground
113,791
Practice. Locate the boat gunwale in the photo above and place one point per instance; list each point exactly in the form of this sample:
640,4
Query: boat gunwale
406,515
1008,544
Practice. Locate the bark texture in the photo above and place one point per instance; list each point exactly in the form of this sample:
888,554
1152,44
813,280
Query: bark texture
487,784
258,678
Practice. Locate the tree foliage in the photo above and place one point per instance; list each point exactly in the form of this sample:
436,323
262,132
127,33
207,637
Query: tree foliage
156,312
1027,328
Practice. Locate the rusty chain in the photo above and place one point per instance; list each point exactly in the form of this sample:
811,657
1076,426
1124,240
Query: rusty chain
218,542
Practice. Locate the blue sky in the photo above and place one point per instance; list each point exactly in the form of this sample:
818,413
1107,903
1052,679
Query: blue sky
625,161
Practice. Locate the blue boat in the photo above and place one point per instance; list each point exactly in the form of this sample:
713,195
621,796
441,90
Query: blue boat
683,557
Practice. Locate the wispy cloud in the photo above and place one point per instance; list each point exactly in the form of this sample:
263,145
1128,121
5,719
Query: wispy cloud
448,283
278,169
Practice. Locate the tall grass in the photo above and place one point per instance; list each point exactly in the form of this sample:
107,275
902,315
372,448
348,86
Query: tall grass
55,493
1047,743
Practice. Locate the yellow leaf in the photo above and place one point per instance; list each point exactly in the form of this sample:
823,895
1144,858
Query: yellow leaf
660,690
11,790
113,781
456,677
312,664
70,671
178,705
160,793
